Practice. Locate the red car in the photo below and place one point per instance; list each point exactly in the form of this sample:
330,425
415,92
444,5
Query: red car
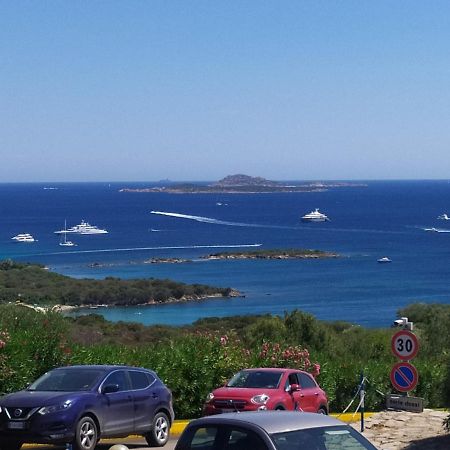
262,389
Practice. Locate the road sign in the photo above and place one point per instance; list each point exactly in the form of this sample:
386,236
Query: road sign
404,345
404,376
413,404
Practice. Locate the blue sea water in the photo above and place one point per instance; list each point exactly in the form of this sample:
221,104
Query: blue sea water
380,219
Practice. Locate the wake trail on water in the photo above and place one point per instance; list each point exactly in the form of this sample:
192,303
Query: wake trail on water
137,249
217,221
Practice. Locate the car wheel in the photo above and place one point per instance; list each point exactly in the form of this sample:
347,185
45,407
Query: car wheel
10,445
279,408
86,434
322,410
159,435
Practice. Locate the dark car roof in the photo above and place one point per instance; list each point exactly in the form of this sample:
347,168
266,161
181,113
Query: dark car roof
271,369
272,421
103,367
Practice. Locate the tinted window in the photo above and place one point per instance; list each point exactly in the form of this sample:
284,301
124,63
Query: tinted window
329,438
255,379
204,438
118,377
68,380
224,438
139,380
306,381
244,440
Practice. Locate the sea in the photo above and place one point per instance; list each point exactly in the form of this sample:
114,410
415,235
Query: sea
377,219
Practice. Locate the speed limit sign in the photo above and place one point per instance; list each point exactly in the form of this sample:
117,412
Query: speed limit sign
405,345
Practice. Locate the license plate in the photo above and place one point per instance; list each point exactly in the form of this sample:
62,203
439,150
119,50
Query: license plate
17,425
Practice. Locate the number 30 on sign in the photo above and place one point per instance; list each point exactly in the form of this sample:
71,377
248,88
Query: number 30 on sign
405,345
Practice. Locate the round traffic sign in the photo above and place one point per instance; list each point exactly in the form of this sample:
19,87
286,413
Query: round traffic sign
404,345
404,377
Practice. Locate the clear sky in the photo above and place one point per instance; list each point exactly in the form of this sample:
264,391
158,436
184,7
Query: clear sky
199,89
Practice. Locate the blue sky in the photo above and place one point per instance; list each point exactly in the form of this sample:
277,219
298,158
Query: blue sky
197,90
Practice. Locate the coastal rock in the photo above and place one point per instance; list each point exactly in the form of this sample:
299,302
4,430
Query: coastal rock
166,261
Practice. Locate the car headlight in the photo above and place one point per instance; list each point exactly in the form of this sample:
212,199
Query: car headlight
55,408
209,397
260,399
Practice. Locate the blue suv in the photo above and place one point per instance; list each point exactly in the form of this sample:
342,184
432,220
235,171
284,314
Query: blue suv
81,404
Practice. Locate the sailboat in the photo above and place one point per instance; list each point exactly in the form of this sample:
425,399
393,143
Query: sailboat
64,242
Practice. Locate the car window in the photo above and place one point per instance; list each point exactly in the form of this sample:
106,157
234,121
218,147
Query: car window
322,438
306,381
118,377
244,440
67,380
204,438
139,380
256,379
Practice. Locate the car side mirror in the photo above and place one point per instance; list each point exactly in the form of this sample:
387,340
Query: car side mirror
294,387
110,388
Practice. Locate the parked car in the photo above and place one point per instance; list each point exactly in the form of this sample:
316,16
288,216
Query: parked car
261,389
81,404
271,430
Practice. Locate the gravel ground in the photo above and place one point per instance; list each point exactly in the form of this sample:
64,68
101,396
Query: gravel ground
401,430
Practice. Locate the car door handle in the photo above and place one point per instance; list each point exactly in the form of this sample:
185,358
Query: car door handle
154,395
316,393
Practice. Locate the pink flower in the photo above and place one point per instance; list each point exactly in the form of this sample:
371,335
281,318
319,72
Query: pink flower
2,344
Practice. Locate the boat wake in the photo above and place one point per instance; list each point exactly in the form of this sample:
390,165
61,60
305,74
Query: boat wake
436,230
137,249
215,221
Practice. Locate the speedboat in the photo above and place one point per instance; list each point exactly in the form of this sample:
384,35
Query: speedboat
444,217
385,259
435,230
315,216
24,237
83,228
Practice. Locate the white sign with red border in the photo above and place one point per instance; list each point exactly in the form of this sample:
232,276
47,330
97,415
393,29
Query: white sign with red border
404,345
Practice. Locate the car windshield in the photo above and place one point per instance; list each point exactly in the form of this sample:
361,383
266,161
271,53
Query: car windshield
67,380
322,438
256,379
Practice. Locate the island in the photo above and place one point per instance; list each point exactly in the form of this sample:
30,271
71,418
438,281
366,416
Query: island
274,254
242,184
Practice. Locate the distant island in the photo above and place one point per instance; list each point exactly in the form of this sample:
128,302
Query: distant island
274,254
242,184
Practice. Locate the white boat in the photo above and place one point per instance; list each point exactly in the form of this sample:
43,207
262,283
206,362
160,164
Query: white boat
434,230
385,259
64,242
444,217
24,237
315,216
83,228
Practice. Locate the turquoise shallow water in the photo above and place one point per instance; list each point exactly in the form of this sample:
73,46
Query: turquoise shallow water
382,219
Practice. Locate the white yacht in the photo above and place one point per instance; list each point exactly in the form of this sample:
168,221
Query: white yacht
83,228
315,216
24,237
444,217
385,259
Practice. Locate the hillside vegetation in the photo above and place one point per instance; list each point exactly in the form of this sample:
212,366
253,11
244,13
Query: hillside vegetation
194,359
33,284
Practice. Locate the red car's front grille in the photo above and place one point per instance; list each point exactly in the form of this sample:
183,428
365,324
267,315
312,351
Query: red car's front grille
230,404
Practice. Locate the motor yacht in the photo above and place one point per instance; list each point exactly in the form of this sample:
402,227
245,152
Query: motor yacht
385,259
24,237
315,216
83,228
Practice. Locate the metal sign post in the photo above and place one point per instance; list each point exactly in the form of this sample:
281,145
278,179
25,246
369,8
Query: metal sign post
404,376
